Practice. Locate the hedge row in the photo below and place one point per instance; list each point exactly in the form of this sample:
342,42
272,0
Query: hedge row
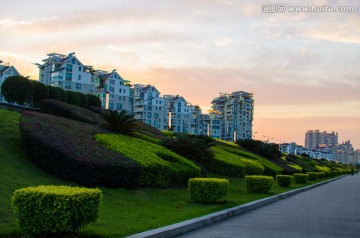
58,108
301,178
207,190
49,211
160,166
66,148
259,184
226,163
270,168
284,180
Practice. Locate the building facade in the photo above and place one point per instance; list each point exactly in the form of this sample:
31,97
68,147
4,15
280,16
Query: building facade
236,112
291,148
6,71
67,72
180,113
344,153
314,138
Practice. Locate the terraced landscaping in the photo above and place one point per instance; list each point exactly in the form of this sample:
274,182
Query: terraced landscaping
123,211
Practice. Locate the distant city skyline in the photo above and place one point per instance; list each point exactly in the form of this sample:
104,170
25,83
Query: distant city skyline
302,67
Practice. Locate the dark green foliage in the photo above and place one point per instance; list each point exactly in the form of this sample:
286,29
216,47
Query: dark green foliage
66,148
93,100
54,93
207,190
17,89
301,178
305,163
122,122
83,100
284,180
259,184
63,95
321,175
268,150
62,109
49,211
73,98
193,148
313,176
161,167
40,92
167,133
226,163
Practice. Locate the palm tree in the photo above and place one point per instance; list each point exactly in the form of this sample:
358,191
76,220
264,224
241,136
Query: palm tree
122,121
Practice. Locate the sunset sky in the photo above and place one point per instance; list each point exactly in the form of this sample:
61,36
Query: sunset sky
303,67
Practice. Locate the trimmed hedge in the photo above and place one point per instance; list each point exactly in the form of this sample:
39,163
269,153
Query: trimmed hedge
62,109
270,168
284,180
253,167
66,148
313,176
73,98
207,190
321,175
49,211
93,100
259,184
226,163
301,178
161,167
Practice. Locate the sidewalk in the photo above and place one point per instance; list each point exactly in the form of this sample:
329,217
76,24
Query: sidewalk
331,210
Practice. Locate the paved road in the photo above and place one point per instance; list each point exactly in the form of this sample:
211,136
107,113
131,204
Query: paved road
331,210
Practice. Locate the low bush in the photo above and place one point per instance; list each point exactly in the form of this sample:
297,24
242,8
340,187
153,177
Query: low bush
322,168
259,184
161,167
253,167
62,109
168,133
93,100
313,176
226,163
73,98
63,95
295,166
270,168
49,211
301,178
40,92
54,93
207,190
66,148
321,175
284,180
83,100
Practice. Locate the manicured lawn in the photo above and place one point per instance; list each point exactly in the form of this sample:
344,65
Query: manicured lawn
123,212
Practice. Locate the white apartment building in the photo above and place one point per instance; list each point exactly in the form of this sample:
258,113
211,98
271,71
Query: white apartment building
6,71
291,148
180,113
67,72
149,107
344,153
117,88
197,121
314,138
318,154
236,110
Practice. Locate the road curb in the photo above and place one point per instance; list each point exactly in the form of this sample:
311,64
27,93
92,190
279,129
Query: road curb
197,223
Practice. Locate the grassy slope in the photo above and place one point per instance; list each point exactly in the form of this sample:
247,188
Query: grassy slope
123,212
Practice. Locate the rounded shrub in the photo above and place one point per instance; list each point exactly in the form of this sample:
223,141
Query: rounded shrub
253,167
17,89
48,211
207,190
259,184
54,93
63,95
321,175
93,100
301,178
83,100
313,176
73,98
40,92
284,180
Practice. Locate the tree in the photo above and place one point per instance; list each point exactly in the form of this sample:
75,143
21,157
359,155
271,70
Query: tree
73,98
93,100
83,100
54,93
122,122
40,92
17,89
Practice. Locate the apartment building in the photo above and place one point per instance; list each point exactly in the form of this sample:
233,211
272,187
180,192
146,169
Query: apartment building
67,72
149,107
197,123
6,70
314,138
235,113
291,148
344,153
180,113
118,90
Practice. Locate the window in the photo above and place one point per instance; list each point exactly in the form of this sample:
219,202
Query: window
148,122
111,105
78,86
124,98
68,76
120,90
149,115
68,85
80,68
119,106
179,109
79,77
112,81
150,108
111,89
156,115
73,61
119,98
111,96
69,68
